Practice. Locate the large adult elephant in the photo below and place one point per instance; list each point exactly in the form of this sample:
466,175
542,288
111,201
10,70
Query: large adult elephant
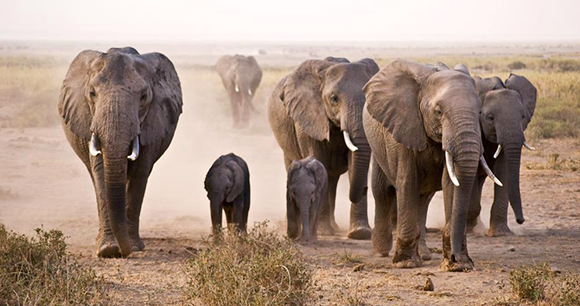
506,111
241,76
419,119
314,111
119,112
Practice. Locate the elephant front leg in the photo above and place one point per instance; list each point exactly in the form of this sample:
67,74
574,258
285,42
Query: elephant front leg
138,175
235,102
385,199
292,215
328,224
106,244
475,204
498,223
424,251
359,220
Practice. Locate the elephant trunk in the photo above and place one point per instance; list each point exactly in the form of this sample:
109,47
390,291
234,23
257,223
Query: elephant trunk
360,159
305,218
513,153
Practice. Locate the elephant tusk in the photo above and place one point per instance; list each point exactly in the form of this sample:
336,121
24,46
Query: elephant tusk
451,168
237,89
93,146
496,154
249,91
488,171
348,142
135,152
527,145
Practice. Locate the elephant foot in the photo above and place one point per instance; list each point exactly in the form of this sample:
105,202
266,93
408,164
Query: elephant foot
424,252
463,264
360,232
382,243
406,254
107,246
137,244
471,224
328,228
499,230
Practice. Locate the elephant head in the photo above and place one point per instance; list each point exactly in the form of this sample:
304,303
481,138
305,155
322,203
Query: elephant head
324,94
241,76
118,102
505,113
430,106
224,181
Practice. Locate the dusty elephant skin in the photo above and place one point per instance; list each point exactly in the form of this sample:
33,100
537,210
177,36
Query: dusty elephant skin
506,111
419,119
241,76
305,194
119,112
228,189
314,111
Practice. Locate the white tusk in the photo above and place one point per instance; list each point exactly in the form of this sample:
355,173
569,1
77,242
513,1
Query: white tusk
488,171
527,145
348,142
93,146
135,152
237,88
249,91
451,168
496,154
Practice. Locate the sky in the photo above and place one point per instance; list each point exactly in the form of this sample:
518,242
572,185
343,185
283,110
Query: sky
291,20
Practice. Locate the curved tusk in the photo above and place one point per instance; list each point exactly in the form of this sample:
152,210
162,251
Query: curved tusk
451,168
496,154
249,91
135,152
348,142
237,88
488,171
527,145
93,145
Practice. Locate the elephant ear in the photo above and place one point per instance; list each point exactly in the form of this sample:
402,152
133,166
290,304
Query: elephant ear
302,98
166,105
483,86
238,185
73,107
257,73
336,59
321,177
528,93
371,65
392,99
461,68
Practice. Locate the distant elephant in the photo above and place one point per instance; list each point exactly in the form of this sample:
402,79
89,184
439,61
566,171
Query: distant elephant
119,112
228,188
313,111
241,76
305,195
506,112
419,120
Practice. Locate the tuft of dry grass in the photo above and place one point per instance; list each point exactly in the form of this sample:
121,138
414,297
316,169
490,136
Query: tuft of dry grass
538,284
258,268
346,258
38,271
554,162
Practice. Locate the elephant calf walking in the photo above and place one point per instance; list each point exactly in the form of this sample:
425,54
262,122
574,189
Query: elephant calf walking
228,188
305,195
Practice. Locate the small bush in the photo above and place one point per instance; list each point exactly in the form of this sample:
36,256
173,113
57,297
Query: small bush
38,271
259,268
568,292
346,258
516,65
530,282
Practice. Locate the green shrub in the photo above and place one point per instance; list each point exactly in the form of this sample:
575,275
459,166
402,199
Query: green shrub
530,282
38,271
258,268
517,65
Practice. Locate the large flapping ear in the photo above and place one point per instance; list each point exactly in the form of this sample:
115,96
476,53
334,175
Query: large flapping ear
211,170
321,177
302,98
337,59
441,66
461,68
223,66
127,50
483,86
256,73
392,99
238,184
528,93
73,106
166,105
371,65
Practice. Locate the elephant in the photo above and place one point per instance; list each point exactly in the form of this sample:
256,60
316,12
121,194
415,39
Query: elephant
228,188
241,76
507,109
305,194
119,111
420,120
313,111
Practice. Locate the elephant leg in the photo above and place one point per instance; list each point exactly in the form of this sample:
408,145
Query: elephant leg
238,215
475,204
106,243
138,174
292,215
424,251
385,199
498,225
245,116
393,216
229,212
235,101
328,223
216,217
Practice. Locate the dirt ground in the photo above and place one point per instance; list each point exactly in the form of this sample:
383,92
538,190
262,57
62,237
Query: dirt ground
42,183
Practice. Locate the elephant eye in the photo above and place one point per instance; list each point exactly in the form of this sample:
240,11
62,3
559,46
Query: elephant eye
334,98
438,111
143,96
92,93
490,117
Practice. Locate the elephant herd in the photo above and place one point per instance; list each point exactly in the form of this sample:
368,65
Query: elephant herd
424,128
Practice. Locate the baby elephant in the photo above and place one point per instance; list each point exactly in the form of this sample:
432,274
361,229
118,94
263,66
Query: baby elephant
306,192
228,187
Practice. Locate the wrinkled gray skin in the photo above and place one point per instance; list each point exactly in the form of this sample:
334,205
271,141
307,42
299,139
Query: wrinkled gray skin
118,96
228,189
308,111
414,113
305,192
505,113
241,76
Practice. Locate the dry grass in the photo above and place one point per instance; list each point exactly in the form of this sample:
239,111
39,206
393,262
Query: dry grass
259,268
38,271
554,162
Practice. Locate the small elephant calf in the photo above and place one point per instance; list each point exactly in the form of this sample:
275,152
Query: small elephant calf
306,193
228,188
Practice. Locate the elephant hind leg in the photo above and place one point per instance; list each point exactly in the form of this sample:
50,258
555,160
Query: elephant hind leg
424,251
385,198
328,224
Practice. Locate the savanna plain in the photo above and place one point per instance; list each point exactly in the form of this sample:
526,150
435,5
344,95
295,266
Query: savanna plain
44,185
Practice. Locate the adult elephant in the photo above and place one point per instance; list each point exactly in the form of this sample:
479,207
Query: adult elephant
241,76
419,119
119,112
507,109
314,111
